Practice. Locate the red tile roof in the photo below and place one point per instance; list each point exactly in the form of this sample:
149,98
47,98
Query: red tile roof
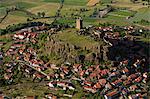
117,81
139,79
102,81
88,83
97,85
112,93
133,76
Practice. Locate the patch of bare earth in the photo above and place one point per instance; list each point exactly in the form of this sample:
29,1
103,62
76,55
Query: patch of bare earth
92,2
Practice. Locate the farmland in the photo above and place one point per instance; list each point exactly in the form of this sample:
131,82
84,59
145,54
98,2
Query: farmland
72,7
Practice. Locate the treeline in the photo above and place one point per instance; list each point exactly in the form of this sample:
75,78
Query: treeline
16,27
143,22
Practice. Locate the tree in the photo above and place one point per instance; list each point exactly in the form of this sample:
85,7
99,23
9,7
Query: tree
7,10
43,14
28,19
39,14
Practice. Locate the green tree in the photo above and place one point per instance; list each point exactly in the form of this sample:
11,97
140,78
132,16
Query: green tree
28,20
39,14
43,14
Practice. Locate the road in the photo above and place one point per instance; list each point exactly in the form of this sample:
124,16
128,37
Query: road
27,64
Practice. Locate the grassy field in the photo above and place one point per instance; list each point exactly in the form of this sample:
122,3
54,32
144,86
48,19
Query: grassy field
124,13
143,13
70,36
13,19
70,2
6,39
129,5
26,89
49,8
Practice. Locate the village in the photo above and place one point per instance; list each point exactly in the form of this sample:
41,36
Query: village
124,77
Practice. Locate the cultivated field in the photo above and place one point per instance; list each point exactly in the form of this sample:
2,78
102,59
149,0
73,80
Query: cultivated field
92,2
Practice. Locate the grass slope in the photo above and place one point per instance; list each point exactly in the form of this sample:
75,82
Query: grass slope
143,13
70,36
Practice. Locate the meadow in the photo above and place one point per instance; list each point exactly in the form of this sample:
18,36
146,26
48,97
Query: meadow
70,36
143,13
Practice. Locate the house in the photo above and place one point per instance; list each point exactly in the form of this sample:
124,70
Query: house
93,75
117,82
30,97
123,77
133,88
97,85
7,76
90,89
132,76
52,84
53,66
87,83
9,70
102,82
104,72
31,50
2,43
70,86
38,76
14,46
50,96
61,84
27,56
134,96
145,75
65,70
21,51
104,12
82,73
116,34
108,86
1,55
2,96
62,75
113,74
19,36
112,95
125,70
139,79
127,82
77,67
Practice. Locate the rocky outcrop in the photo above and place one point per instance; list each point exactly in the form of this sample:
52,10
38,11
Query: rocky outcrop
72,53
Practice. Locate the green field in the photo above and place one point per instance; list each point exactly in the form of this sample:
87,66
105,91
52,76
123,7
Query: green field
123,13
143,13
70,2
70,36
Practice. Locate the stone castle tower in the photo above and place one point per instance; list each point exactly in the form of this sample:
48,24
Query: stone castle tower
79,23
